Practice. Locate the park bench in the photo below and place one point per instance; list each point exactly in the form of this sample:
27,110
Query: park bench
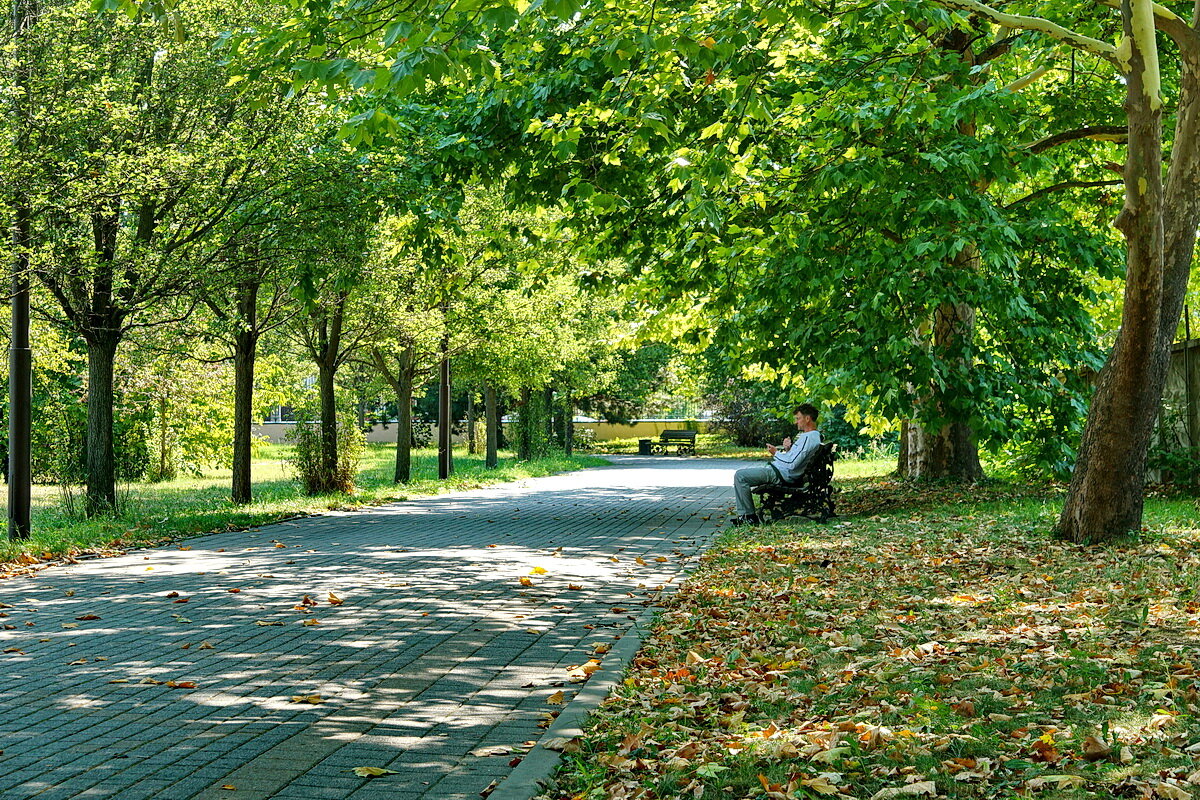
683,441
810,496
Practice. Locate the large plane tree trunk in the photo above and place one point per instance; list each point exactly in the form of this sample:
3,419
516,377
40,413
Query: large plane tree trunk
1106,495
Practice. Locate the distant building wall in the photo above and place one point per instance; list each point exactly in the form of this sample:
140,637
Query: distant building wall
640,429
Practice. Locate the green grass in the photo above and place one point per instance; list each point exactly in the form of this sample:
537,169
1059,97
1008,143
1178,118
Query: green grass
931,637
157,512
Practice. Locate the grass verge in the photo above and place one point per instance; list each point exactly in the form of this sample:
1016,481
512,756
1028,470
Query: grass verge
926,644
158,512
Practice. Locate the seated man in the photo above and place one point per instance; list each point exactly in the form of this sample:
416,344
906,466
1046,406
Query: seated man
787,463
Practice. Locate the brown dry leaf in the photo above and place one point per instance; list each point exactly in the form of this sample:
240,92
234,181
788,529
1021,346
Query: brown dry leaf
14,650
77,662
311,699
86,617
311,621
262,623
574,587
307,602
233,591
181,684
1095,750
640,560
661,559
172,594
820,785
618,610
70,625
600,648
525,581
373,772
120,680
555,699
205,646
150,682
334,600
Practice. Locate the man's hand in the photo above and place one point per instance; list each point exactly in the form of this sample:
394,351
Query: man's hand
771,449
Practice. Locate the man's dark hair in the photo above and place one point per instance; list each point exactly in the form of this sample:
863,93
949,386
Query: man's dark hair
808,410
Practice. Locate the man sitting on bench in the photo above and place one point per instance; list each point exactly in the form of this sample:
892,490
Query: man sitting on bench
787,463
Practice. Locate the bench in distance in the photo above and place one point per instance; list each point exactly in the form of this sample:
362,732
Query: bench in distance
683,441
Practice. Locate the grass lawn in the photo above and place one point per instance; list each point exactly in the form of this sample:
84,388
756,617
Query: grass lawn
156,512
927,643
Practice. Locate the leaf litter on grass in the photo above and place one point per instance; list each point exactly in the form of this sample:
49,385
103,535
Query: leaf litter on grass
948,650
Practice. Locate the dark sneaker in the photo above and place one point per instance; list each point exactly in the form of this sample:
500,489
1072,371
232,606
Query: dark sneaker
749,519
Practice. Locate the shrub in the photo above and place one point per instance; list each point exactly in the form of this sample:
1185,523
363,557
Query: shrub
307,462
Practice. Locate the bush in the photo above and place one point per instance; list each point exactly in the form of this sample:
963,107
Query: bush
307,463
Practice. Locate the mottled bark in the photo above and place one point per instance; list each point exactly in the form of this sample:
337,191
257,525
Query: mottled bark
245,351
1107,492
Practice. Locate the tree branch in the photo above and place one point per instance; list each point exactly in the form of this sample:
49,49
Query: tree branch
1168,22
1064,185
1021,22
1099,133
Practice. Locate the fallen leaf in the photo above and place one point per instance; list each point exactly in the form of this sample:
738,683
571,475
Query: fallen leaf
574,587
262,623
308,601
205,646
181,684
525,581
233,591
311,699
311,621
928,788
538,571
555,699
373,772
334,600
229,787
1095,750
77,662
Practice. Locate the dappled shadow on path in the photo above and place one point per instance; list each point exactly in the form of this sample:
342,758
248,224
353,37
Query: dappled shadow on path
410,622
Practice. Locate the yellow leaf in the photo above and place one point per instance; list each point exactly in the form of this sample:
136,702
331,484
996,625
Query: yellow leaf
526,582
308,623
555,699
373,772
538,571
334,600
311,699
262,623
229,787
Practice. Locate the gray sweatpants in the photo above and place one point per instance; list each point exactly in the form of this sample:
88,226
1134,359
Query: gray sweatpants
746,479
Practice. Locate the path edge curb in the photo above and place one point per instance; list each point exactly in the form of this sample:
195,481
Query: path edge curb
532,775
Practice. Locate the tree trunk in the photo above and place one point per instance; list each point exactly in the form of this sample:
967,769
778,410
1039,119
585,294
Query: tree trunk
568,424
445,418
950,453
164,450
525,428
404,398
472,445
902,459
329,432
491,414
245,349
101,456
1107,489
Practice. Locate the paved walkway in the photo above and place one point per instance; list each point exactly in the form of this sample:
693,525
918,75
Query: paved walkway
271,663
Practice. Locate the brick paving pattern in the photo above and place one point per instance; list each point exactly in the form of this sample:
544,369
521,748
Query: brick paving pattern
169,674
